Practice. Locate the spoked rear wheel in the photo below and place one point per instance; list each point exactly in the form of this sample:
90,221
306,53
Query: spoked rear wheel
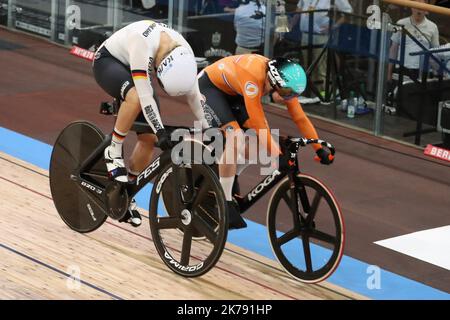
306,229
80,210
197,209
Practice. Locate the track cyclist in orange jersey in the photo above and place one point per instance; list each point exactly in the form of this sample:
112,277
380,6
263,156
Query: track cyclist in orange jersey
123,66
232,89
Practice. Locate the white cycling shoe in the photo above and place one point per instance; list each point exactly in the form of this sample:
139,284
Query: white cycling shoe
132,216
116,167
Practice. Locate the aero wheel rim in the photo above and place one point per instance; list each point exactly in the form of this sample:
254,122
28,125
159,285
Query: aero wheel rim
309,249
196,249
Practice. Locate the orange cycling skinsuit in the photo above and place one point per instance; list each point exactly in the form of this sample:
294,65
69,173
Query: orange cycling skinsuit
233,88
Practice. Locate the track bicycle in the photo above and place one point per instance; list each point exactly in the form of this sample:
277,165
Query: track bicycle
304,221
85,197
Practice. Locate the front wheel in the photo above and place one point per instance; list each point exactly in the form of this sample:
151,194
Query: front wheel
306,229
188,218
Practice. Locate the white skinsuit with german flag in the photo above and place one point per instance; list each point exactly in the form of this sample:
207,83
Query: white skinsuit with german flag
135,46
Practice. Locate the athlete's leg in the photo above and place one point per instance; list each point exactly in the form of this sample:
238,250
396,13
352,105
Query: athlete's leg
142,153
115,78
232,151
218,113
128,111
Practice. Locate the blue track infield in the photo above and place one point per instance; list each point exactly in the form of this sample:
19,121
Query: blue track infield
352,274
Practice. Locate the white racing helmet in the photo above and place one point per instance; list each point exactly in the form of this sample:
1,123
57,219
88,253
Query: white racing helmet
177,73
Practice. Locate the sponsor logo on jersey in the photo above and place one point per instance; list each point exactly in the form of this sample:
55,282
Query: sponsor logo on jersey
149,29
209,113
150,65
153,117
122,89
251,89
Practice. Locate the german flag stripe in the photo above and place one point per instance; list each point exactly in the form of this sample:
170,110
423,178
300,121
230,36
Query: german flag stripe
118,135
137,74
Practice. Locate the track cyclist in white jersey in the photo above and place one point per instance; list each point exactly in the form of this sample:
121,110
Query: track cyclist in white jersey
123,66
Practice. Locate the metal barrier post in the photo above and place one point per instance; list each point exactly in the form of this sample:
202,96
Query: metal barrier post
11,4
382,68
170,14
66,27
181,15
117,15
268,29
54,20
268,35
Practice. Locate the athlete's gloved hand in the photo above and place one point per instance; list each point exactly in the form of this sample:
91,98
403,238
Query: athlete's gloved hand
164,140
324,156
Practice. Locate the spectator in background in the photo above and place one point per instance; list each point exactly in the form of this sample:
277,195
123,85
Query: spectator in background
424,31
320,30
208,7
249,25
228,5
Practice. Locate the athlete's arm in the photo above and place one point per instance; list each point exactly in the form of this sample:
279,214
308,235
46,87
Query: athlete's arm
257,120
140,60
302,122
195,101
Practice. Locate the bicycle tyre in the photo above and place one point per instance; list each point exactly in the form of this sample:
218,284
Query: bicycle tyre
303,275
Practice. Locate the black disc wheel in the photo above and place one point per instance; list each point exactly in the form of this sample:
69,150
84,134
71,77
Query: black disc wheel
306,229
79,205
196,207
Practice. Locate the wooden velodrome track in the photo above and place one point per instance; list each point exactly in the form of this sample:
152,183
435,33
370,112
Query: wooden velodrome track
39,255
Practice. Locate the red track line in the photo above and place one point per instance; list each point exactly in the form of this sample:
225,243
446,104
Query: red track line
148,238
26,188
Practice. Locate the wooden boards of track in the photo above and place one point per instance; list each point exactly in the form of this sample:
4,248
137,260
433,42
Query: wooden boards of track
41,258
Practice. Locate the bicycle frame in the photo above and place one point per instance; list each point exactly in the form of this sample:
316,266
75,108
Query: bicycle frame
269,181
81,175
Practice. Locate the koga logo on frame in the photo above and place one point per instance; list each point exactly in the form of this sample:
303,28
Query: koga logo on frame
262,185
